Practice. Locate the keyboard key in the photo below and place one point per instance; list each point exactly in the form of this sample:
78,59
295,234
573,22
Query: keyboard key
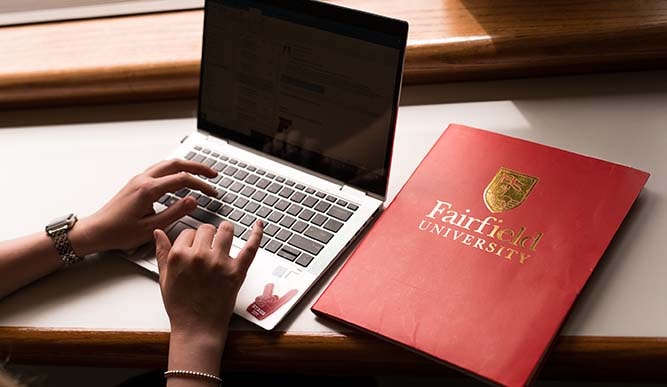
287,221
310,202
306,214
198,147
299,226
225,210
305,244
190,155
318,234
236,215
310,190
171,201
288,254
263,183
275,216
240,202
229,170
215,154
163,199
226,182
320,194
219,166
283,235
181,193
339,213
238,230
247,191
322,206
294,209
224,158
271,229
209,162
206,151
236,187
242,164
280,179
248,220
290,183
219,193
229,198
286,192
206,217
273,246
194,195
263,211
331,198
300,186
270,175
265,239
233,161
319,219
270,200
251,179
341,202
203,201
259,196
304,260
333,225
199,158
282,205
214,205
241,174
252,207
246,234
216,179
274,187
261,172
297,197
251,168
353,207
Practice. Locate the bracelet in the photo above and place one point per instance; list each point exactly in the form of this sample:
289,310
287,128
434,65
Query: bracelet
193,374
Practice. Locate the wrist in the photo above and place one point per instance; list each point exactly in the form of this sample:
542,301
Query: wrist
196,351
82,238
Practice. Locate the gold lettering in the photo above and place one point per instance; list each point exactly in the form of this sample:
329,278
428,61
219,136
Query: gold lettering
491,247
515,242
523,258
503,232
468,239
422,223
439,208
511,252
479,243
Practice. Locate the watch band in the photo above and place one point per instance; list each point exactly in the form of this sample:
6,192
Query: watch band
64,247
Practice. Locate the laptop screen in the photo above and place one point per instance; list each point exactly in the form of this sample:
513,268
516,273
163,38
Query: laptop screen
311,83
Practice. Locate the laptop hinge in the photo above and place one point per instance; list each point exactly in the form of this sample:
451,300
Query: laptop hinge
352,191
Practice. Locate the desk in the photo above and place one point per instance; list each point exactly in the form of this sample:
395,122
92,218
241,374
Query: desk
109,312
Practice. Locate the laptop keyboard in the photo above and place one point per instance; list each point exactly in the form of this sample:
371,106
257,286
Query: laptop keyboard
298,220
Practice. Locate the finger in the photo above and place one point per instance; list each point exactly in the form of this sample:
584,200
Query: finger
162,248
172,183
223,238
247,253
169,167
173,213
185,238
204,237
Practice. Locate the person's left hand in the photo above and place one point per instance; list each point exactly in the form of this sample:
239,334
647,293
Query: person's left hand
127,221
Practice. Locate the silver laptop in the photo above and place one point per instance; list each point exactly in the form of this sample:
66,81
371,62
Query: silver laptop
297,112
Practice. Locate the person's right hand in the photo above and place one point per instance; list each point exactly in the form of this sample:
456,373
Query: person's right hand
198,278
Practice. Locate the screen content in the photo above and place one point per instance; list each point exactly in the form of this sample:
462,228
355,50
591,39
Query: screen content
312,91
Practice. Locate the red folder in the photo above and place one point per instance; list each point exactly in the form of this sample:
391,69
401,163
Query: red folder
481,255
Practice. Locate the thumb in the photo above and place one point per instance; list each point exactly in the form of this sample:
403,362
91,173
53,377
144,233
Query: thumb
162,248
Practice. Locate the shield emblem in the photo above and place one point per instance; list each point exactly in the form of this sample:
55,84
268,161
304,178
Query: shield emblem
508,190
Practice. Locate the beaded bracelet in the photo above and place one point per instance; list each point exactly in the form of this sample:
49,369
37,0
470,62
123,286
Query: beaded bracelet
193,374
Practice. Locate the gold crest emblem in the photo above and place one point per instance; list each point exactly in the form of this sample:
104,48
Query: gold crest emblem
508,190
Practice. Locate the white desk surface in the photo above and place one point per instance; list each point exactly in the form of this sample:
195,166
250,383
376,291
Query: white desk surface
57,161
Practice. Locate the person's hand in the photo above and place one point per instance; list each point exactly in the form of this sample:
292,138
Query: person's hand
198,278
128,219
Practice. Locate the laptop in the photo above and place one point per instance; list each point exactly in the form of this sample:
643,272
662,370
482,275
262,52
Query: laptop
297,113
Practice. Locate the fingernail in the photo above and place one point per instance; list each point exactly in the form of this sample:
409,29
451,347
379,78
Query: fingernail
260,224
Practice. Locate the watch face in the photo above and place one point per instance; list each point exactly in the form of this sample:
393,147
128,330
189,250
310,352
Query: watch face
67,220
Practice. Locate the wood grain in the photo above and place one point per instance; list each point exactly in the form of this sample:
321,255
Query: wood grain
151,57
571,358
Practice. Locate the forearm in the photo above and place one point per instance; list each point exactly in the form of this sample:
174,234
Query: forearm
32,257
195,351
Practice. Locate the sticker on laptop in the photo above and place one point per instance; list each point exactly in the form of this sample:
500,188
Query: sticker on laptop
267,303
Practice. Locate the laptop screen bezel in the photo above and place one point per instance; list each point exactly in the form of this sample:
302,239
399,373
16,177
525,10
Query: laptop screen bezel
360,19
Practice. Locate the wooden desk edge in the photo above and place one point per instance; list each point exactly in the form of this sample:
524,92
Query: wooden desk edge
148,68
570,357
